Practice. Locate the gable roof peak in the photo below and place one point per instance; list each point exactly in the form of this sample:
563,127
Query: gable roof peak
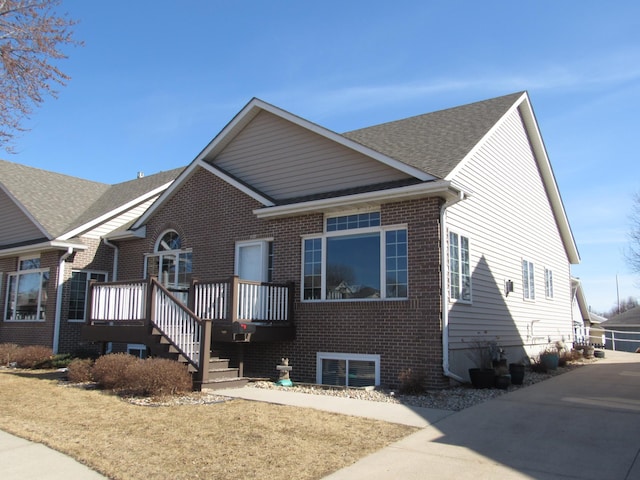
436,142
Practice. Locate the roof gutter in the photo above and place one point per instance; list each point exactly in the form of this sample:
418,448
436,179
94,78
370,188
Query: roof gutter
42,246
441,188
445,286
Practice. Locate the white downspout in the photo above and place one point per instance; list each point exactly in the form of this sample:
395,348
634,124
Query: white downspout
445,287
116,250
58,315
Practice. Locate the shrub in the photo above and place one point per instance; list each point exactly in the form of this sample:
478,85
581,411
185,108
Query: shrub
411,383
79,370
156,377
8,353
61,360
34,356
109,370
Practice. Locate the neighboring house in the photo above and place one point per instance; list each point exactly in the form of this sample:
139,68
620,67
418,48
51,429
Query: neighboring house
357,255
622,332
51,247
587,325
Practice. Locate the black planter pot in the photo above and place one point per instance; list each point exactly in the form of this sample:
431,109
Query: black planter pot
517,373
482,377
503,381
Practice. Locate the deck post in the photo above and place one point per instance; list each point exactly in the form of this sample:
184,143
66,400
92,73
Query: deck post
240,359
202,375
191,299
292,292
234,297
151,303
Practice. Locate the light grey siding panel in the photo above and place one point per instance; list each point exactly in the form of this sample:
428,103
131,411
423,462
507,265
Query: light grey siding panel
508,218
16,226
120,220
284,160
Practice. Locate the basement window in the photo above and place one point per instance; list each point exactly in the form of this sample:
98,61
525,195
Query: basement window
347,369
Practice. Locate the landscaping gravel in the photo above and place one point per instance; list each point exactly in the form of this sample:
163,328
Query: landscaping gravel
453,398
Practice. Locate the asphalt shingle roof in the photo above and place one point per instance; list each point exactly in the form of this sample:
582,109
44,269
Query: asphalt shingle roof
435,142
62,202
625,319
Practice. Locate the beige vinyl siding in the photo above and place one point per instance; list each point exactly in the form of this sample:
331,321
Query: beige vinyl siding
16,226
508,218
120,220
284,160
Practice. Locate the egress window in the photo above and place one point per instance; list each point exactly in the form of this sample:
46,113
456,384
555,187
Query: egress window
356,258
347,369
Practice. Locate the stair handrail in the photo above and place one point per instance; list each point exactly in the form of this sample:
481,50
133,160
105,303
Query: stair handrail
200,331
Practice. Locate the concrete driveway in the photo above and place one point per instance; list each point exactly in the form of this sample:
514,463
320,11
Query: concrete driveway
584,425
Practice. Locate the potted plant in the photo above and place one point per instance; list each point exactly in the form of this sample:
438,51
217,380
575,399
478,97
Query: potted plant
502,378
550,358
517,373
483,374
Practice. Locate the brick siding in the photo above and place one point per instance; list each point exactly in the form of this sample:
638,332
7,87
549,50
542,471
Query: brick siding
211,216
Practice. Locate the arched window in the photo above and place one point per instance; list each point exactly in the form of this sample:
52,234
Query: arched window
170,263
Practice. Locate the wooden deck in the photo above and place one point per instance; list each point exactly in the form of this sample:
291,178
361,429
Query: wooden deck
231,310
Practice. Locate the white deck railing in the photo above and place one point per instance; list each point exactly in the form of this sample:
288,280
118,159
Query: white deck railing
212,300
119,302
259,302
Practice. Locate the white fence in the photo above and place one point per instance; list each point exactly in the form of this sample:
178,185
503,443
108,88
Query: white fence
623,341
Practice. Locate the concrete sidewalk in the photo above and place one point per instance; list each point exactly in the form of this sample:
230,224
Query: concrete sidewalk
24,460
388,412
580,425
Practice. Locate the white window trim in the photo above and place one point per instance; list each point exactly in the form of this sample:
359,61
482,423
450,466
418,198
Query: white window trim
526,295
364,357
136,346
17,273
383,255
263,243
460,235
548,275
88,272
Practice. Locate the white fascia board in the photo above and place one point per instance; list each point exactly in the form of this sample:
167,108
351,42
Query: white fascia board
198,163
24,210
549,179
232,181
581,299
129,234
186,173
440,188
255,105
523,104
39,247
117,211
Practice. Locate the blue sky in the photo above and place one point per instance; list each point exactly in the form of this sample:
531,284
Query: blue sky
157,80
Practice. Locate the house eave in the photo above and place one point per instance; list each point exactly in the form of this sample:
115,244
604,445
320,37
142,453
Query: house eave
131,234
441,188
41,247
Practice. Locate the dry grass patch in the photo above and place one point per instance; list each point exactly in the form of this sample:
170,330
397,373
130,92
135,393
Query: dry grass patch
230,440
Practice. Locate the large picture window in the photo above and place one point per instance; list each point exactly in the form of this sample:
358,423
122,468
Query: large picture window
459,268
79,288
356,258
27,292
